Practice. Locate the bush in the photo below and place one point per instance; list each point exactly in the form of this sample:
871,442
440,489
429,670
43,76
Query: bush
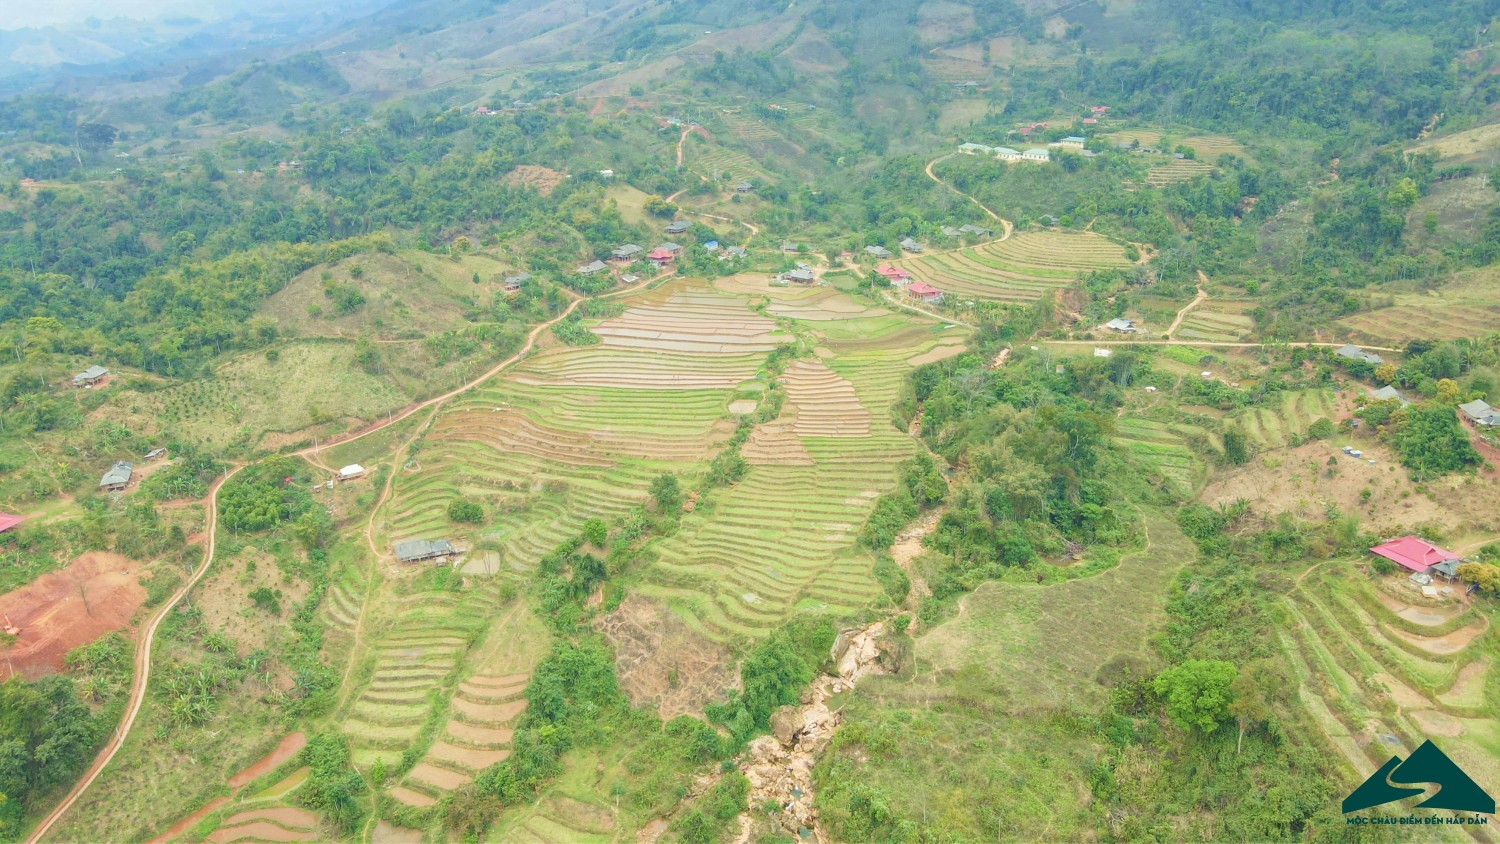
465,512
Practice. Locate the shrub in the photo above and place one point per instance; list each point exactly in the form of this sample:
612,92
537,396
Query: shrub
464,511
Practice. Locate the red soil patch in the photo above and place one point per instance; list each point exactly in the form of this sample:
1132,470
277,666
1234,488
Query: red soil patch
598,107
467,757
259,831
284,751
412,798
93,595
189,822
385,833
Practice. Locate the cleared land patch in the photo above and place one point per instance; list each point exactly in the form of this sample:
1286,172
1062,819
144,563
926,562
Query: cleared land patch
96,593
1047,643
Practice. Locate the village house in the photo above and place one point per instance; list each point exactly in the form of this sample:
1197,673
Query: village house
628,252
350,472
630,278
1091,121
118,477
156,453
9,520
1036,154
909,245
593,268
1007,154
1122,325
1099,111
977,231
483,111
678,226
924,291
1389,393
660,257
879,252
1479,414
895,275
790,247
949,231
975,149
1072,142
711,246
418,550
606,174
1413,553
744,187
798,276
670,247
513,283
1353,352
736,252
89,377
966,85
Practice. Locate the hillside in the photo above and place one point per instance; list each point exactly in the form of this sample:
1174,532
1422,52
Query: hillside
557,421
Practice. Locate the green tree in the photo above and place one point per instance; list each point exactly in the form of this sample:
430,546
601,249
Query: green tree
1432,443
667,493
1197,693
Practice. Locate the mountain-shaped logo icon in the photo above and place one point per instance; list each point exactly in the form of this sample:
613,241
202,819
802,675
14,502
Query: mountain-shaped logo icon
1427,764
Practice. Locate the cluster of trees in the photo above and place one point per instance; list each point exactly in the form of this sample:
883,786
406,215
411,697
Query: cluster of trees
51,727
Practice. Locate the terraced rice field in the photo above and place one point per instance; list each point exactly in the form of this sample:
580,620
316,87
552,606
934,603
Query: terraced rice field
580,432
745,127
1381,670
1177,170
1216,321
272,823
1164,447
1418,317
1273,427
706,159
1022,268
782,538
414,657
1207,147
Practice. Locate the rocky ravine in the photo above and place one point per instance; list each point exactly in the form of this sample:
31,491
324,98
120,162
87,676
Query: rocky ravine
779,766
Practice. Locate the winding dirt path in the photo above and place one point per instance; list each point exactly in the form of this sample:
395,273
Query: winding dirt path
142,674
1004,223
1197,300
1149,342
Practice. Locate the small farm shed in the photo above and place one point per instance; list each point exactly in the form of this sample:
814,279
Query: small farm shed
118,477
350,472
417,550
89,377
1479,413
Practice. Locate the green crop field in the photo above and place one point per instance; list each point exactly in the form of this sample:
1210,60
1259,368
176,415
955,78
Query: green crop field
1177,170
706,158
1021,268
1221,322
1164,447
1381,670
580,432
1274,427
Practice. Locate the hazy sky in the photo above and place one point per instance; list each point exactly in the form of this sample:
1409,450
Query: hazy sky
15,14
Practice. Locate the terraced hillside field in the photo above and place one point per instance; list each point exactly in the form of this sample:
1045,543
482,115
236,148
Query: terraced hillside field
1381,669
782,538
1465,307
707,159
1164,446
1177,170
1217,322
1022,268
580,432
1274,427
1207,147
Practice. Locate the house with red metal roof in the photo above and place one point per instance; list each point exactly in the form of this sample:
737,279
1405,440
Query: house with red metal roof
895,275
8,521
924,291
1413,553
660,257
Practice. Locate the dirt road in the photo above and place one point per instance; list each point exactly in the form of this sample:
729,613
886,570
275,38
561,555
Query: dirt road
1149,342
142,670
1197,300
143,651
1004,223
